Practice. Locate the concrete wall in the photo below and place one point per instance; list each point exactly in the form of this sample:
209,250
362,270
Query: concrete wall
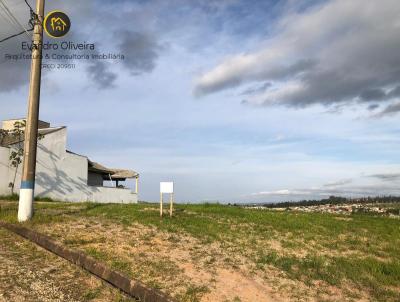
60,175
106,194
4,171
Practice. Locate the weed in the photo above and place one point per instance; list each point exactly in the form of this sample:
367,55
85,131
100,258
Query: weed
194,293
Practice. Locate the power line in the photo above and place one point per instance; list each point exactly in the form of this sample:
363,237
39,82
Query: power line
15,35
5,15
32,20
30,7
12,17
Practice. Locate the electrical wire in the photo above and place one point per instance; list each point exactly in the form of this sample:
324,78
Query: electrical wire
33,18
7,14
16,35
7,18
27,3
11,15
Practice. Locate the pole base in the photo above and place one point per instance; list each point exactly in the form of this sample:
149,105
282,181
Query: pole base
25,207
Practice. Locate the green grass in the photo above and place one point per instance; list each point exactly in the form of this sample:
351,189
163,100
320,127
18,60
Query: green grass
194,293
115,263
9,197
15,197
91,294
361,249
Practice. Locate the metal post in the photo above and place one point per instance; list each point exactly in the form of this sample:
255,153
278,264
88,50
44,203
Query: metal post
26,193
161,204
171,201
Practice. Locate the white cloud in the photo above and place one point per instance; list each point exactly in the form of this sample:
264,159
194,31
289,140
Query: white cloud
360,186
337,52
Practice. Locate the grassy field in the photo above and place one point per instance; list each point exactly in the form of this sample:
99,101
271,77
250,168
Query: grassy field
213,252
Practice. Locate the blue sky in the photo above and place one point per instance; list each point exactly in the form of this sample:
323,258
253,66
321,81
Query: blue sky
237,101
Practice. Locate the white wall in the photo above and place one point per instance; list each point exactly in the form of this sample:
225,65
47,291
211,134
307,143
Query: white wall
105,194
4,171
61,175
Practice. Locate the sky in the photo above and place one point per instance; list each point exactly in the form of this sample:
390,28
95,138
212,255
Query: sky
234,101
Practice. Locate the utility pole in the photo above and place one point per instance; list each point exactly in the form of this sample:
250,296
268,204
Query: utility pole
26,193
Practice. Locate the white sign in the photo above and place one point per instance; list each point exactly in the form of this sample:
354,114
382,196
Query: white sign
166,187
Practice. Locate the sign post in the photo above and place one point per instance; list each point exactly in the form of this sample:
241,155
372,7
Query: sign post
171,201
167,187
161,203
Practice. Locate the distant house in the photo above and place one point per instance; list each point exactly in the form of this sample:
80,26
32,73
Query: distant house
64,175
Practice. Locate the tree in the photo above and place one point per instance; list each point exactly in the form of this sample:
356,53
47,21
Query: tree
16,156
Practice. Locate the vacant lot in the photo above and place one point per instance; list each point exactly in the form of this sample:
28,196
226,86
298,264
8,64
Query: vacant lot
29,273
220,253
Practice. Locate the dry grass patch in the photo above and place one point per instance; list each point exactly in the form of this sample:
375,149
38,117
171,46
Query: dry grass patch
30,273
185,266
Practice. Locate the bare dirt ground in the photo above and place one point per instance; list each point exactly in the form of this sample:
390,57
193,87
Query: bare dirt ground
30,273
183,266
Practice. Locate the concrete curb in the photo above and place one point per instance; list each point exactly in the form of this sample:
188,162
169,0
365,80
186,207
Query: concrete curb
131,287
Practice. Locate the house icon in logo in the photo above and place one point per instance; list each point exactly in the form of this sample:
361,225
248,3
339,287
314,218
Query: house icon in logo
58,24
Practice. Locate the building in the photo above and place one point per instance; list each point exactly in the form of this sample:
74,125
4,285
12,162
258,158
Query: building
61,174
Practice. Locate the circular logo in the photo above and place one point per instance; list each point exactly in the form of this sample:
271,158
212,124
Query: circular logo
56,24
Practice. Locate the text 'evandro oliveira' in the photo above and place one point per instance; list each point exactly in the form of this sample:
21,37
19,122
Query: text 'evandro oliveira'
64,45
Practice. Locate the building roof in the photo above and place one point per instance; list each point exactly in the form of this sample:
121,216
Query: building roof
97,168
109,173
123,174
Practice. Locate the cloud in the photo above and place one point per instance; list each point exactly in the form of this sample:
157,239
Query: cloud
244,68
387,176
14,73
338,183
373,107
17,71
349,187
336,52
100,75
373,94
351,191
141,51
389,110
255,89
